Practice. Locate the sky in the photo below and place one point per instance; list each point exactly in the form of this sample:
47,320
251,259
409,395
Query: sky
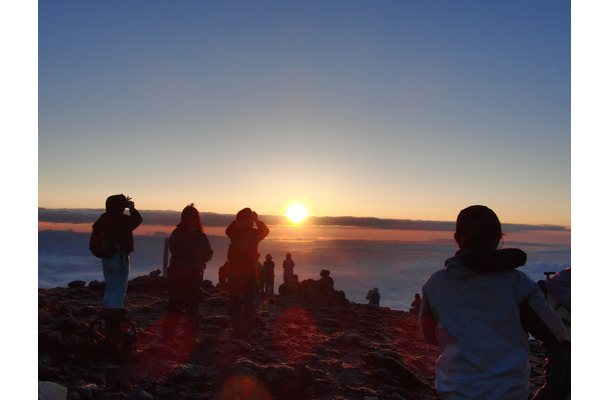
396,109
405,110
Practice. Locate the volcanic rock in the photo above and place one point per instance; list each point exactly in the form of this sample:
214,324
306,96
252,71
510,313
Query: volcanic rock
307,345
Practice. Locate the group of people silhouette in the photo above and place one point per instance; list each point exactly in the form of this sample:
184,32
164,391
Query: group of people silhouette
242,275
478,309
265,273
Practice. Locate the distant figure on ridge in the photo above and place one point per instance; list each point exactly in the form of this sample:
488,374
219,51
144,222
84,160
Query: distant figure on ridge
288,265
112,241
222,276
268,275
326,279
291,287
190,249
415,305
241,278
259,277
476,309
373,297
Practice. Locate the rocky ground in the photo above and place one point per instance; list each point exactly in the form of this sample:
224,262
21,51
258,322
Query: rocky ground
302,349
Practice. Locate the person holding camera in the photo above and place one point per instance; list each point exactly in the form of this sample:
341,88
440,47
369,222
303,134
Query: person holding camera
241,275
117,231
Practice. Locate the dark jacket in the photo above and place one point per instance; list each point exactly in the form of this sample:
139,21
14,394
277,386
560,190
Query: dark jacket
190,250
119,227
243,248
268,270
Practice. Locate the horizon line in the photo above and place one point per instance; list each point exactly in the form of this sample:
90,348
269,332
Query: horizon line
168,218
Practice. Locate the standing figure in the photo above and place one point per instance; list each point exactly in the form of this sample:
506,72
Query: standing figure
415,305
288,265
268,275
373,297
222,276
478,310
259,277
112,241
557,366
190,251
241,279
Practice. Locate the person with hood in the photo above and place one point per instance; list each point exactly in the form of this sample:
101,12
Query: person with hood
288,265
373,297
478,310
117,236
241,275
190,251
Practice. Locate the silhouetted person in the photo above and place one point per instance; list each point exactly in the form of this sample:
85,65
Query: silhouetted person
558,365
325,278
259,277
477,310
190,251
373,297
291,287
288,265
415,305
268,275
222,275
241,278
117,237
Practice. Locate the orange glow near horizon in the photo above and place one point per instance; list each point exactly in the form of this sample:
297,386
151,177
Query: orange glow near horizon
289,232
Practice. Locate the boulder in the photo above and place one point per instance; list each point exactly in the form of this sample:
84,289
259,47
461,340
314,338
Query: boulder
51,391
77,284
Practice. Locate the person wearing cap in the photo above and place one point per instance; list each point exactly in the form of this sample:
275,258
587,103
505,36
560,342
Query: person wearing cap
268,275
190,251
241,273
479,309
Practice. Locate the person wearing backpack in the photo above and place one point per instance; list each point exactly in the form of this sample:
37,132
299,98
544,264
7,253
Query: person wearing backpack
190,251
479,309
241,272
112,241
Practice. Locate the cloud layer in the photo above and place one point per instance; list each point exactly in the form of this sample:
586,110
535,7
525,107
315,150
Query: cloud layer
170,218
397,268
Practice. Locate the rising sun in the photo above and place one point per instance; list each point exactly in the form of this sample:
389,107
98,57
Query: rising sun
296,213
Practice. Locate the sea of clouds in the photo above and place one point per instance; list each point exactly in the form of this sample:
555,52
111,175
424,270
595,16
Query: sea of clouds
398,268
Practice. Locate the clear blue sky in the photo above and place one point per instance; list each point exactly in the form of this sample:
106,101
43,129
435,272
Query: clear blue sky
395,109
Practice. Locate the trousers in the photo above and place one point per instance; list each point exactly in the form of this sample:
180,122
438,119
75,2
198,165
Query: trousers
116,273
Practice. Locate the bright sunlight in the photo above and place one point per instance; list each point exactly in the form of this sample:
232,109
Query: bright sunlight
296,213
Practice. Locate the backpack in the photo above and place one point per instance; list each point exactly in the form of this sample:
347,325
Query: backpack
99,244
113,330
